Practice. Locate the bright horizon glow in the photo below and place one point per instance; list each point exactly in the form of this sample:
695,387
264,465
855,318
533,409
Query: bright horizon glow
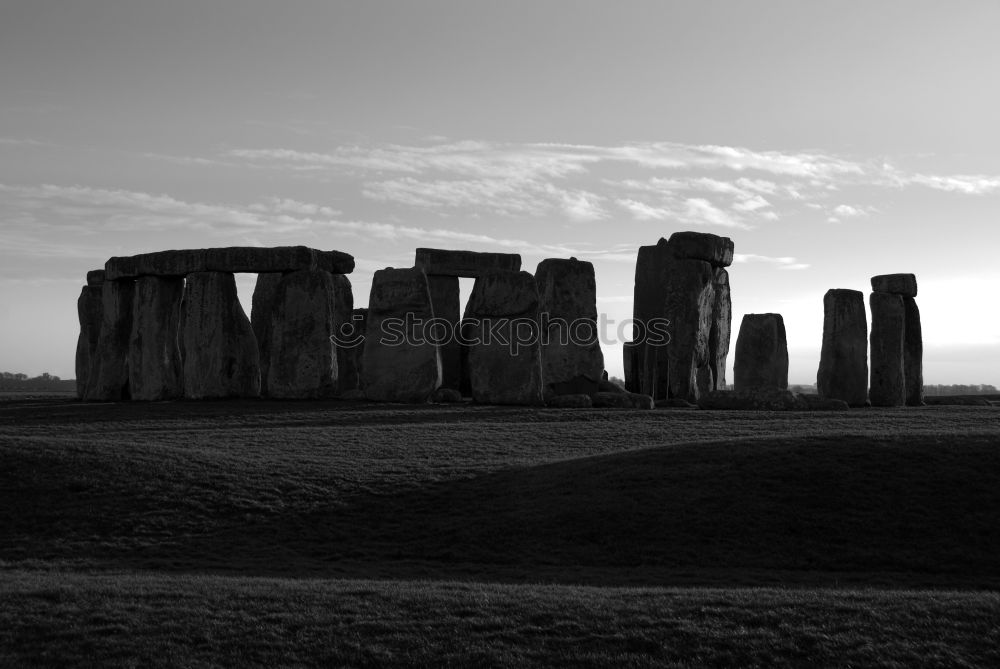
832,142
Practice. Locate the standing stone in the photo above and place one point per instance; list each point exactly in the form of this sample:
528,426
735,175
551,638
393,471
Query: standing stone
401,361
913,353
689,308
344,334
843,362
719,333
261,316
505,362
447,304
353,348
761,353
88,309
303,357
572,361
108,378
220,350
154,357
888,384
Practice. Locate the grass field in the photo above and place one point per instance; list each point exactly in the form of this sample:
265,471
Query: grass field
307,533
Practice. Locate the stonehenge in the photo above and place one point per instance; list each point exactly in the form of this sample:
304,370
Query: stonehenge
896,342
843,362
169,325
761,359
681,298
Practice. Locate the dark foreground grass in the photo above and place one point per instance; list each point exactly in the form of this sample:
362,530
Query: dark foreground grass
157,620
907,498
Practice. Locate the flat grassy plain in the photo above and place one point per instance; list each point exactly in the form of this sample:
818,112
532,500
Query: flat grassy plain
303,533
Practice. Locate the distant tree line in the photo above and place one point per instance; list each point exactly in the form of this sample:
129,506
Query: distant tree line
44,381
961,389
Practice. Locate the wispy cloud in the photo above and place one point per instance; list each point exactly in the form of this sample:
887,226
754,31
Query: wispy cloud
781,262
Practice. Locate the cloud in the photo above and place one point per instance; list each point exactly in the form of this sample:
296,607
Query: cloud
967,184
782,262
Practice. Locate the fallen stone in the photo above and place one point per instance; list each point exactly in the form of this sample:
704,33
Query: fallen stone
95,277
88,309
261,316
758,398
572,361
447,396
622,401
108,378
843,362
888,383
702,246
913,353
501,323
303,357
154,367
898,284
401,362
465,263
606,386
761,353
817,403
675,403
577,401
220,351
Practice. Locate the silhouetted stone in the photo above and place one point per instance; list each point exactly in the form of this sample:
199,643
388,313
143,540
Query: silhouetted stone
888,384
817,403
761,353
95,277
154,356
631,362
702,246
622,401
401,362
898,284
88,309
250,259
758,398
345,339
843,362
220,350
465,263
261,316
578,401
303,362
606,386
913,353
108,378
447,396
505,363
720,331
446,301
355,352
572,361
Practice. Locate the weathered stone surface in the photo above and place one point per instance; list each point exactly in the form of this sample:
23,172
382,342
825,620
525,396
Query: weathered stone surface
108,378
447,396
447,304
843,362
220,350
898,284
888,384
261,315
505,362
913,353
605,386
572,361
622,401
250,259
95,277
761,353
759,398
88,309
675,403
676,295
154,357
354,351
720,332
401,362
345,338
465,263
702,246
817,403
303,358
578,401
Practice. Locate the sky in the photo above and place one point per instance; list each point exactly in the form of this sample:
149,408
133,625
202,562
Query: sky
832,141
